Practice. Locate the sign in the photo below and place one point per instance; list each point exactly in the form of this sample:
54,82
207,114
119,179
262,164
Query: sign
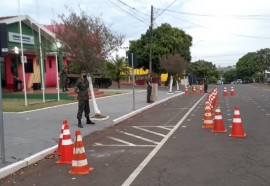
24,59
4,50
16,38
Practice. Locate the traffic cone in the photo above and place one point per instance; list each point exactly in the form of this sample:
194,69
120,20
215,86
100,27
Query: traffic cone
225,93
193,90
218,121
79,161
232,91
201,90
237,128
186,91
66,147
58,151
208,120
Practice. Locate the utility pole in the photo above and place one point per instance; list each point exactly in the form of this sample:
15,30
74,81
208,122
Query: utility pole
151,39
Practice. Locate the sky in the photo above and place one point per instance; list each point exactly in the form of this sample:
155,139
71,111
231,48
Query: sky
222,30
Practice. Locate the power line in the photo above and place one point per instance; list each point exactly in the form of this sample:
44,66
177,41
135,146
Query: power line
128,12
166,8
132,8
255,16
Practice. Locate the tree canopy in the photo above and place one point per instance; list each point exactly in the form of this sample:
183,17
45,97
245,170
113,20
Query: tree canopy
86,40
203,69
166,40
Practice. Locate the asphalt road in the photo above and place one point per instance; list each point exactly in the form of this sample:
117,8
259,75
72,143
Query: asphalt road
166,145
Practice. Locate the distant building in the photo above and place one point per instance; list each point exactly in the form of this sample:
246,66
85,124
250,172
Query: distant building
10,52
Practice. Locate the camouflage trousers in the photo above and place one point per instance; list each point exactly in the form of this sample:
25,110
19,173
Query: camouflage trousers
83,106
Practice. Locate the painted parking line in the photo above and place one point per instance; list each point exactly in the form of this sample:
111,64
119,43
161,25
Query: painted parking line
138,137
146,130
130,144
138,170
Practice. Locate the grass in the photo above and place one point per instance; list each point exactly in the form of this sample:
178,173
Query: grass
18,105
17,102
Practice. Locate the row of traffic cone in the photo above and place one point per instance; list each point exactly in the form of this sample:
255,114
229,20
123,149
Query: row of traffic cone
70,154
225,92
217,124
194,90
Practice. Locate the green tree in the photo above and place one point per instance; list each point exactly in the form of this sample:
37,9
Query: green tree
86,40
245,68
230,75
166,40
203,69
117,69
261,62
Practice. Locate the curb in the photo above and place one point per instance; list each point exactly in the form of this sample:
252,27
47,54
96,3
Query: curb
26,162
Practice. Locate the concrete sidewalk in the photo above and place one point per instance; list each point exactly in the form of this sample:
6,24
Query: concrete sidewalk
27,134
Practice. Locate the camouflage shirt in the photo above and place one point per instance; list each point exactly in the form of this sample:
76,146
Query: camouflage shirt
82,86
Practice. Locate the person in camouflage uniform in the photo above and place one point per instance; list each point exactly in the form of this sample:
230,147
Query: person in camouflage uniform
149,88
82,89
64,79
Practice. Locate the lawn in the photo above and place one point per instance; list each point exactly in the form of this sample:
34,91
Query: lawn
18,105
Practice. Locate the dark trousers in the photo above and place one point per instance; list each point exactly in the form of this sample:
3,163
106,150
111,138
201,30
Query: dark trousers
15,85
83,106
205,88
149,92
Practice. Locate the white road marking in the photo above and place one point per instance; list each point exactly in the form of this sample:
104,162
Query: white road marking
137,171
121,141
165,127
139,137
149,131
117,145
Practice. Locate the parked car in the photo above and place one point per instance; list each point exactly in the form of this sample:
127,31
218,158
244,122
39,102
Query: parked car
239,81
219,82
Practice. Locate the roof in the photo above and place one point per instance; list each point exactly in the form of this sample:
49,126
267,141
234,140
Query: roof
31,23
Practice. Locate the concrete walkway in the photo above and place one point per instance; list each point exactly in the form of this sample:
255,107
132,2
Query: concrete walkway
30,136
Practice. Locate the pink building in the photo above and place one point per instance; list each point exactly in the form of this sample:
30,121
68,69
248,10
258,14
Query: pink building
10,53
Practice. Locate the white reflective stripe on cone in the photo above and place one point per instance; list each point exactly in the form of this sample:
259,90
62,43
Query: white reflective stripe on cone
218,117
66,132
79,163
236,120
79,150
236,112
66,142
208,121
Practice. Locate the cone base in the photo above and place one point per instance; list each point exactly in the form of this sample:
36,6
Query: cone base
81,172
63,162
238,136
207,126
219,131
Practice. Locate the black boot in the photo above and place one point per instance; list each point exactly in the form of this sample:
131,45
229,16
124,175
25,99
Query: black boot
80,123
88,121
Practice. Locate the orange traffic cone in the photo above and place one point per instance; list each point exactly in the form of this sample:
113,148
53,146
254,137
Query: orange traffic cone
186,91
79,162
208,120
237,128
225,93
218,121
66,148
58,151
201,90
232,91
194,90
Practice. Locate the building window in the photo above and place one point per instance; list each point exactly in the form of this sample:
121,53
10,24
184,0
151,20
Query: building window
29,66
